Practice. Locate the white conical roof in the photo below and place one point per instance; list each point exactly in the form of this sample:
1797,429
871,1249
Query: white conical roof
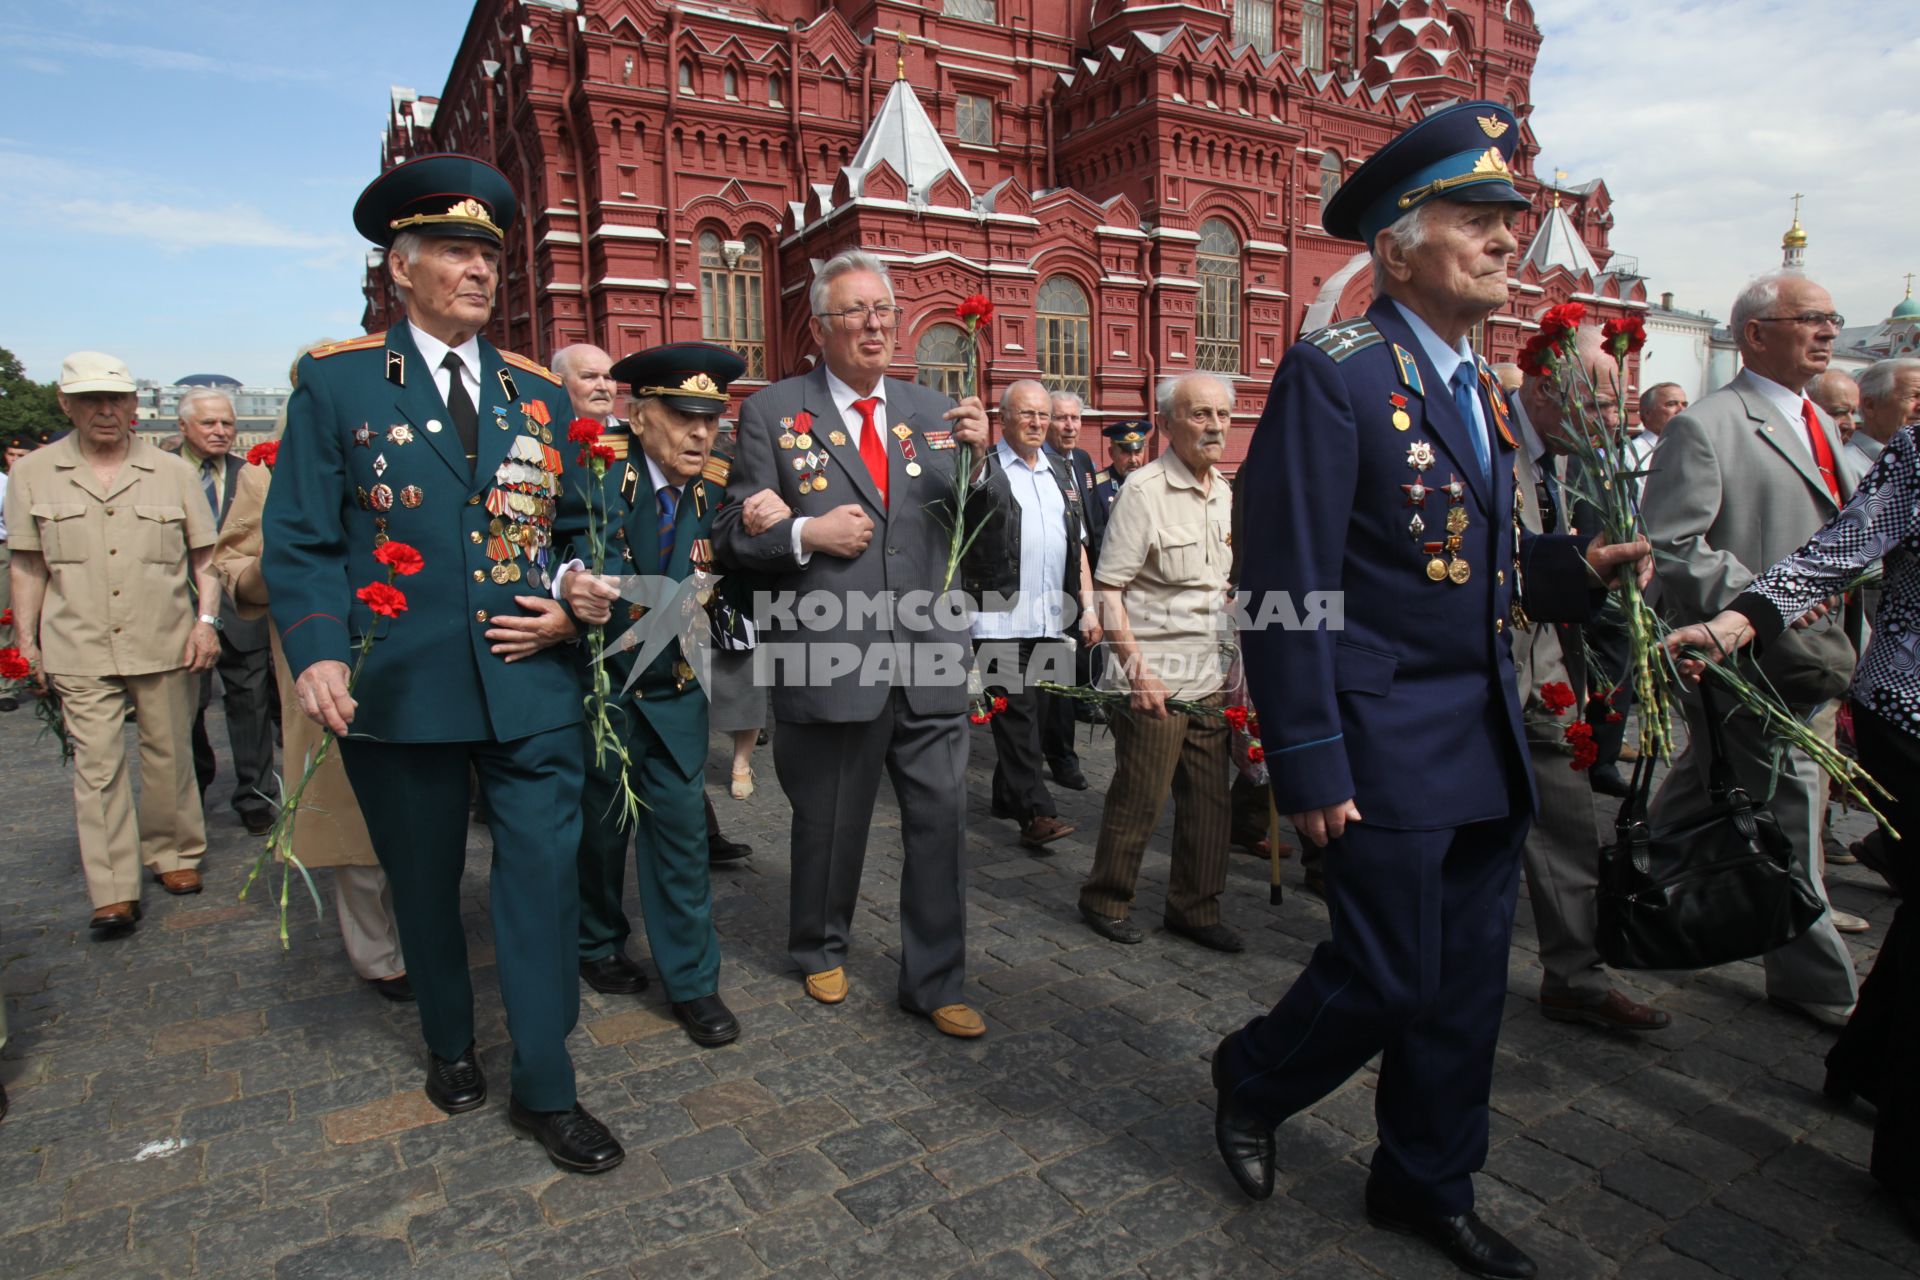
904,136
1558,244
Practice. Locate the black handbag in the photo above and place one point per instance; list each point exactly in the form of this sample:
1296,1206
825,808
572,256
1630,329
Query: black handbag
1719,889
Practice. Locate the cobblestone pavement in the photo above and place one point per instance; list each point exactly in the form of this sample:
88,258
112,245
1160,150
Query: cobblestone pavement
191,1101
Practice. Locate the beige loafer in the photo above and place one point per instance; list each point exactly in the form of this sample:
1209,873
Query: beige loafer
829,987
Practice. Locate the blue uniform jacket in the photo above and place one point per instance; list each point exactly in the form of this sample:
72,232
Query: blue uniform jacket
370,448
1410,709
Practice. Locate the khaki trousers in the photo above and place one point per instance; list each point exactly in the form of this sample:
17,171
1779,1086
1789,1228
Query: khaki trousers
1190,755
364,902
172,833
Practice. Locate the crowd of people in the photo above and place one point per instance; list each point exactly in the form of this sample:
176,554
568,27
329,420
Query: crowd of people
423,567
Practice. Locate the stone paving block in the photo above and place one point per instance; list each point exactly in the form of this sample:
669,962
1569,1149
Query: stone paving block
230,1117
381,1118
1210,1257
1001,1266
31,1206
701,1209
1003,1215
298,1177
976,1162
1099,1175
193,1207
801,1123
721,1258
386,1201
345,1258
100,1236
702,1155
916,1246
590,1246
630,1024
1088,1248
790,1236
1654,1185
118,1184
1604,1221
890,1194
1579,1136
208,1032
481,1221
727,1103
1657,1262
253,1241
786,1180
353,1090
1730,1244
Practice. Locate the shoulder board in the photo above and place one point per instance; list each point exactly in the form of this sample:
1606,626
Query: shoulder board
717,468
1409,370
530,366
1343,340
1101,477
363,343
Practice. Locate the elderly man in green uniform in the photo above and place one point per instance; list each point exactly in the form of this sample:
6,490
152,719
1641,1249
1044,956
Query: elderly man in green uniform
659,501
430,436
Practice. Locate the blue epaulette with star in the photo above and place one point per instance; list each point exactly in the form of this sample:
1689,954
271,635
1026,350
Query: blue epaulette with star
1346,338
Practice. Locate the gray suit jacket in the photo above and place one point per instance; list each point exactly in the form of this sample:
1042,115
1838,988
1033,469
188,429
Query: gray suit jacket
1540,648
1731,491
245,634
905,561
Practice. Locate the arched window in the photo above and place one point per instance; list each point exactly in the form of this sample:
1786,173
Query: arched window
730,83
1313,35
732,297
1066,336
686,76
1253,24
776,89
944,356
1218,265
1331,172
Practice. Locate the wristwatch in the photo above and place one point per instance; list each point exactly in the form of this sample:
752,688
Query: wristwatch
212,620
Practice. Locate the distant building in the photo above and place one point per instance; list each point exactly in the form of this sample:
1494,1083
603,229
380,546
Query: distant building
256,410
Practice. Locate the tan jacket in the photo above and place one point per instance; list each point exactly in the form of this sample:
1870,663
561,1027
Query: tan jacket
330,831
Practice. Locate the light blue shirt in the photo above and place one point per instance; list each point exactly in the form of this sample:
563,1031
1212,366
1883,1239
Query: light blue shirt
1445,360
1038,609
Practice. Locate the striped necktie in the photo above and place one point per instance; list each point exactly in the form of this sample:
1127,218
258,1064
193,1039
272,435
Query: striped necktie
669,506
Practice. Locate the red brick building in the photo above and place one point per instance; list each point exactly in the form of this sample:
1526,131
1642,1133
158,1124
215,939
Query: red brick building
1137,186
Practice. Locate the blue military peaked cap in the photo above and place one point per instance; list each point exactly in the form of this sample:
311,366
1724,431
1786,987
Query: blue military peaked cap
690,376
1129,433
1460,153
437,195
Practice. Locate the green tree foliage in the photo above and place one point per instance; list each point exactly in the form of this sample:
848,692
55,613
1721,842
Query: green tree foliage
26,406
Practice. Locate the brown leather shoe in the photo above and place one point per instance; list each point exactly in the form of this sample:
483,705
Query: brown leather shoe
115,917
1612,1011
829,987
179,882
958,1020
1260,846
1044,829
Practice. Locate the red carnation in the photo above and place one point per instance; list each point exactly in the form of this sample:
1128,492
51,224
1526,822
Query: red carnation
1624,336
1256,754
976,307
6,618
1556,696
604,455
979,717
388,602
1563,320
1614,717
400,558
264,454
1536,358
1253,726
1579,736
1236,717
584,431
13,666
999,705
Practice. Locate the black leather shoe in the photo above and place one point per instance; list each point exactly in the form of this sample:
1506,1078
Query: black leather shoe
257,821
722,850
1067,774
1469,1243
1244,1139
574,1140
708,1020
455,1086
1216,937
1606,779
614,975
1121,930
396,988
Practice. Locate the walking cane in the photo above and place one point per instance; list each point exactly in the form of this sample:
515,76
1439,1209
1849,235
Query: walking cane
1275,894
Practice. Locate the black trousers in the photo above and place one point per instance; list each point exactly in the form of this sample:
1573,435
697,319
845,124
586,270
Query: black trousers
1607,638
1879,1052
1008,669
247,694
1058,714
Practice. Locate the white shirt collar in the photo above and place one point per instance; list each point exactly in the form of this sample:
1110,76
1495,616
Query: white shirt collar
1010,458
1445,359
844,395
434,351
1784,399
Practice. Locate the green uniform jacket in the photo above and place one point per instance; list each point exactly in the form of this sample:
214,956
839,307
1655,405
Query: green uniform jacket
367,430
667,694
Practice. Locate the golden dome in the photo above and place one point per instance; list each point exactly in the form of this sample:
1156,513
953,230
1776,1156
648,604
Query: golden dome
1796,238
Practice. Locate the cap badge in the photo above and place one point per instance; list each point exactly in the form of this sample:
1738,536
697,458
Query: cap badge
1492,126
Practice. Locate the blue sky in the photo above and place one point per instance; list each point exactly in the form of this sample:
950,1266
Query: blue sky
179,177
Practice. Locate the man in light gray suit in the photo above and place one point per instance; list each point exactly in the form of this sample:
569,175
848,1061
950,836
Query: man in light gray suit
1739,481
1562,853
840,495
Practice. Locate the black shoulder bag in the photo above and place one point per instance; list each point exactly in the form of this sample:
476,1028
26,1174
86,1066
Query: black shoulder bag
1718,889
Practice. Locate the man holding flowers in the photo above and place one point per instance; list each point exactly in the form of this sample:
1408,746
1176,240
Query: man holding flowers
429,436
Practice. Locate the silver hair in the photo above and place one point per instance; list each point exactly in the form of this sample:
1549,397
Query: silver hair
561,358
1409,231
841,264
409,245
196,395
1079,405
1022,384
1646,397
1877,379
1163,394
1758,298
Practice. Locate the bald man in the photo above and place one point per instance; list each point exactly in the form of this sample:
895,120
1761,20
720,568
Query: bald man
1838,393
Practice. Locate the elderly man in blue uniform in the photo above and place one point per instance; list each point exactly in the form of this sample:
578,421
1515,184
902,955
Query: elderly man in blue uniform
1382,472
430,436
1126,451
660,501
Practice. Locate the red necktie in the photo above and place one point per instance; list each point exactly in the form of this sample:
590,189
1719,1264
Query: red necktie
873,450
1822,451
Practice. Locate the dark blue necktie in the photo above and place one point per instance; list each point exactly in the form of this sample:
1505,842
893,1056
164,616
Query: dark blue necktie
669,503
1463,379
208,487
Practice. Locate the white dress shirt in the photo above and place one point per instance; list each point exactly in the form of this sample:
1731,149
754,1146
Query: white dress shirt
843,398
434,352
1039,607
1446,359
1788,402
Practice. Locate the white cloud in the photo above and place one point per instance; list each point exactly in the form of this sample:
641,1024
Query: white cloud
35,43
1704,117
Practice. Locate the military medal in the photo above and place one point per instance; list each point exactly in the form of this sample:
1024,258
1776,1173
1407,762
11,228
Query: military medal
1457,520
433,426
1401,422
362,436
901,431
380,538
381,497
412,496
837,437
1416,526
360,496
1459,571
500,574
400,433
379,464
803,440
1436,567
786,440
800,462
912,468
1420,455
1456,489
1416,493
500,417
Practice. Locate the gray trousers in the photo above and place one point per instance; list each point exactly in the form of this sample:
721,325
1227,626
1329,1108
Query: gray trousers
1816,967
831,774
1562,859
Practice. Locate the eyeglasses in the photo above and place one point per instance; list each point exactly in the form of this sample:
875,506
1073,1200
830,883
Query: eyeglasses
1031,415
886,315
1812,319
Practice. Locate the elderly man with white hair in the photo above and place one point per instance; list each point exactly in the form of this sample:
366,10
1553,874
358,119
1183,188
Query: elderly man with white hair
1162,585
1739,482
1889,400
245,665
